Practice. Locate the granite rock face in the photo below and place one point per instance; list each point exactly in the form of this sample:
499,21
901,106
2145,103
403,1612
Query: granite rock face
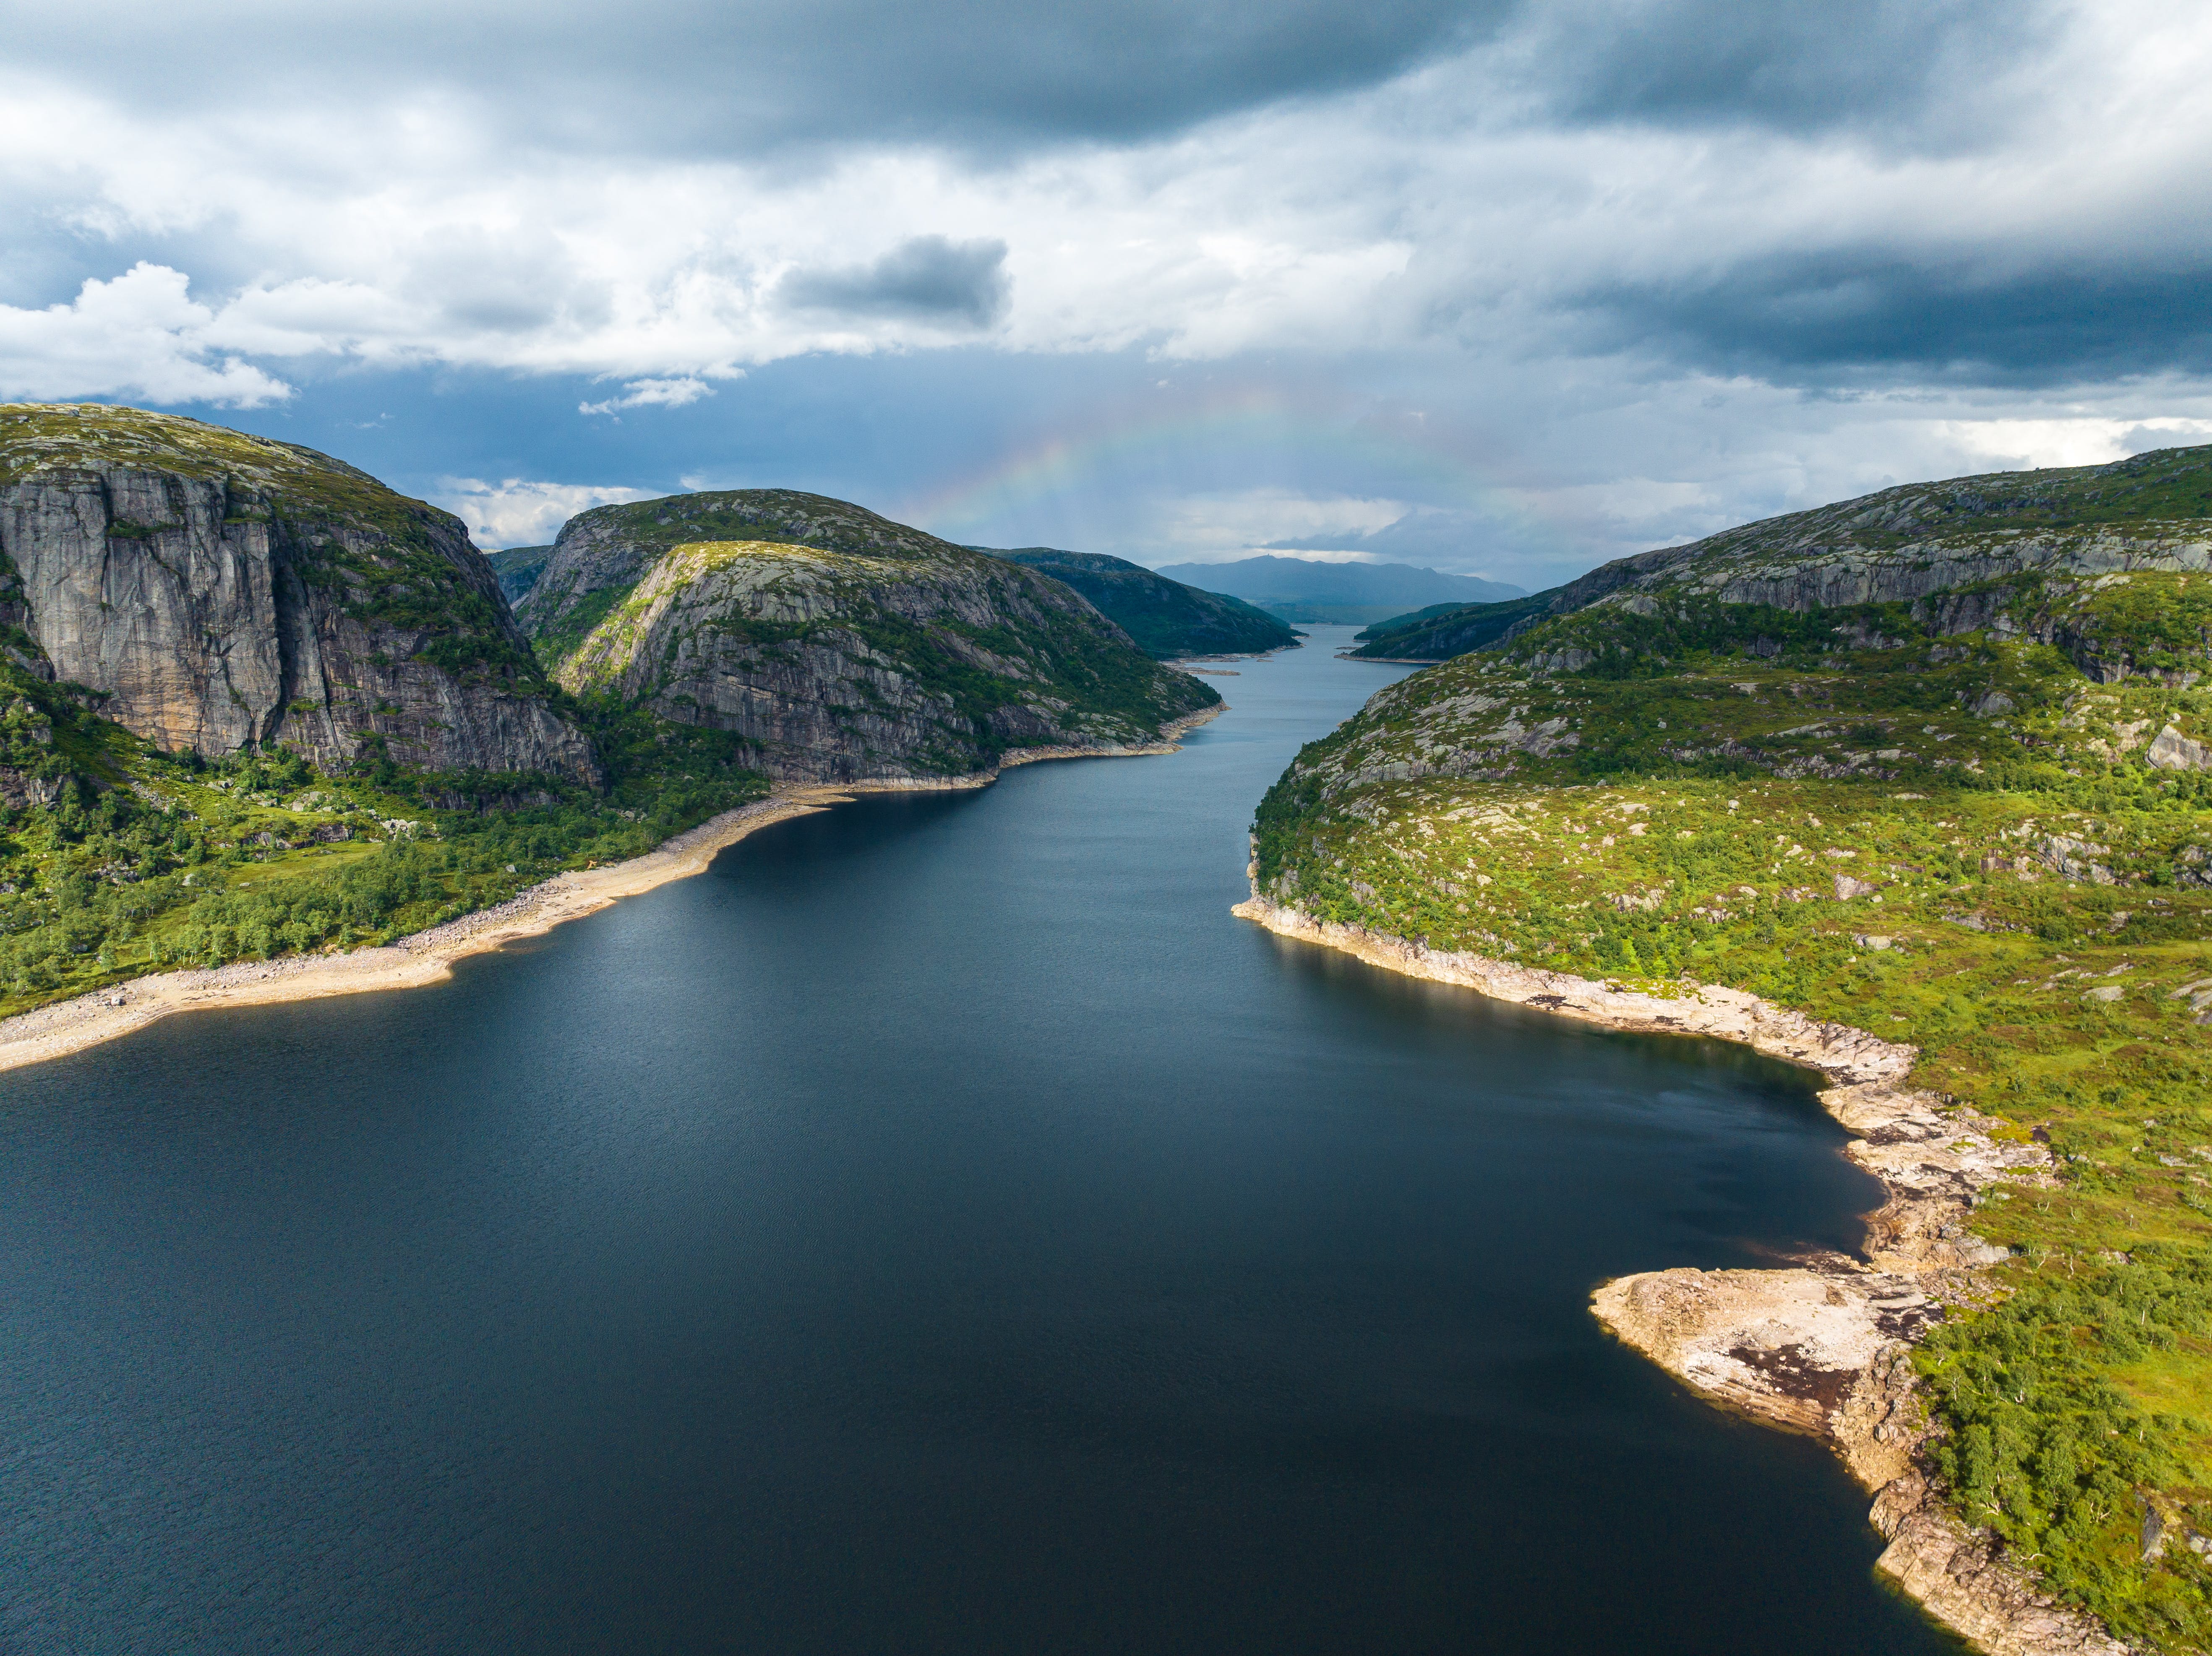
217,589
838,645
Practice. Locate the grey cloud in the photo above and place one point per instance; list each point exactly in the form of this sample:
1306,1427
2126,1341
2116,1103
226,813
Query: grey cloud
1792,67
997,77
703,75
1446,538
947,284
510,283
1799,319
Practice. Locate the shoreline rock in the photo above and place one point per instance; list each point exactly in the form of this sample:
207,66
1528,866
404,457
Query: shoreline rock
1822,1348
426,957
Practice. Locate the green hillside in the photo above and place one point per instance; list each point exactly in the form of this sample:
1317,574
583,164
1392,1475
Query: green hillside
1167,620
1935,764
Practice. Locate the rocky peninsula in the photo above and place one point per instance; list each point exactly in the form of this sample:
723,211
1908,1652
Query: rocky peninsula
1823,1348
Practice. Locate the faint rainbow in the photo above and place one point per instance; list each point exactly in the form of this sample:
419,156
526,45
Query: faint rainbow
1063,462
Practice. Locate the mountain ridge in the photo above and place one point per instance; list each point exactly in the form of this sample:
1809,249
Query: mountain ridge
1330,590
1903,544
1168,619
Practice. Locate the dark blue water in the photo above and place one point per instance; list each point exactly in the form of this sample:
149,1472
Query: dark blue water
939,1227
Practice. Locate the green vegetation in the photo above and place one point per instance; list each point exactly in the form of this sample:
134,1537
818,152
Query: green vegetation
559,635
1444,630
517,568
1166,618
117,860
1980,823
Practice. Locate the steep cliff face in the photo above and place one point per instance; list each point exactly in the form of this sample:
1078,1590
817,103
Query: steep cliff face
1912,544
219,590
867,650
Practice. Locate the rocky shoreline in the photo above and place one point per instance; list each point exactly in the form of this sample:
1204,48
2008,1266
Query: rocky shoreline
426,956
1824,1347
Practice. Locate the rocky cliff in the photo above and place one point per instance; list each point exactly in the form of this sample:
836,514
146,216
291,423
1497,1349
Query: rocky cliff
215,591
1166,618
837,644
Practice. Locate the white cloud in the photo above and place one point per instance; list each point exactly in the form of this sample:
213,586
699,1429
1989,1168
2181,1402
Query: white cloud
653,393
1219,528
139,335
2013,444
518,511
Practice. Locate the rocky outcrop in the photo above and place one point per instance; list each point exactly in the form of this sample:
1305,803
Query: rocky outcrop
216,591
600,554
517,568
887,654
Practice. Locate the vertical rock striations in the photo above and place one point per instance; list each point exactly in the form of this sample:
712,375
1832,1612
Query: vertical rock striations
217,589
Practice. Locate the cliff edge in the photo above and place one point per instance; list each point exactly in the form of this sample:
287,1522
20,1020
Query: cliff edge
217,592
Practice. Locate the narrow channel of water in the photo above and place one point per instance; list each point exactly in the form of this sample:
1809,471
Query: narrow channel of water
940,1227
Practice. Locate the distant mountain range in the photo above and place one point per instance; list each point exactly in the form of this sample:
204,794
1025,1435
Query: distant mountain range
1309,590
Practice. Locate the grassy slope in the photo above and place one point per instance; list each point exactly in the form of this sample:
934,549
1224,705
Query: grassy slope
2032,908
1444,630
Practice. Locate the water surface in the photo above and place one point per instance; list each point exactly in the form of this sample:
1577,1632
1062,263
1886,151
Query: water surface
941,1227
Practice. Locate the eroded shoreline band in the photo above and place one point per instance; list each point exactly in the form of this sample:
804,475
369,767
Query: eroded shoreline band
1823,1348
426,957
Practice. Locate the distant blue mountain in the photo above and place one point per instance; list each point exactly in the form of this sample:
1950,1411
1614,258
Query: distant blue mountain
1307,589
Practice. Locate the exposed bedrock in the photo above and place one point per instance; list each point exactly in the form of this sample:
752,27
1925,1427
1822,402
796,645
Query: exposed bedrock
880,653
217,589
1823,1348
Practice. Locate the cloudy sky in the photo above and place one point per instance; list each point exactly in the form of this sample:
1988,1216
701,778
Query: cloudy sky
1507,289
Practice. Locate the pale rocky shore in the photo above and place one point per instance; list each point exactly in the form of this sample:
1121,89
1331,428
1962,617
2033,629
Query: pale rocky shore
426,956
1823,1347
